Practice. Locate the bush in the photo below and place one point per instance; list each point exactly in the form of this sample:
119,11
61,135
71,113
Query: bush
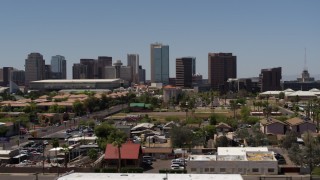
131,170
109,170
173,171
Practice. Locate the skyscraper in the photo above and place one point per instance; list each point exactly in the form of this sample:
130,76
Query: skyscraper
133,62
159,61
102,62
270,79
221,67
90,66
58,67
34,68
118,71
142,75
6,75
184,71
79,71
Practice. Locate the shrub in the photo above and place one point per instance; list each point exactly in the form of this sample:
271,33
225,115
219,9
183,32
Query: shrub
109,170
131,170
173,171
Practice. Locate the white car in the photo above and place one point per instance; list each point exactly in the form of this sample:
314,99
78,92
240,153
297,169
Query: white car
176,166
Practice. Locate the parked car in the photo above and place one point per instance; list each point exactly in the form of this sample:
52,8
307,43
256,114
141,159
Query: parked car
176,166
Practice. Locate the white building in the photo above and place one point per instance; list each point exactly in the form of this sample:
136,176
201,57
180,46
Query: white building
148,176
235,160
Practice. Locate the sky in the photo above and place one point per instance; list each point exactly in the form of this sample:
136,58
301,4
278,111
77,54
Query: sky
262,34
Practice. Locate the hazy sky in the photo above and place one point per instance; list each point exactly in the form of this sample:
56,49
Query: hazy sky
261,34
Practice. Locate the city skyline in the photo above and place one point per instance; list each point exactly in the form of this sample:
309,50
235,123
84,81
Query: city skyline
261,34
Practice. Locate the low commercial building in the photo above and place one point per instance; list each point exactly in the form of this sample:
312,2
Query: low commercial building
86,84
235,160
148,176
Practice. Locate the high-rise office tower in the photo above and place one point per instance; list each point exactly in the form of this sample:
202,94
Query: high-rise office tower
34,68
1,75
47,71
159,61
6,75
118,71
184,71
90,64
133,62
18,77
79,71
270,79
102,62
58,67
142,75
221,67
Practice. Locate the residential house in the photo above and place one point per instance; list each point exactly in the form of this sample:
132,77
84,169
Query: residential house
300,126
130,154
223,127
272,126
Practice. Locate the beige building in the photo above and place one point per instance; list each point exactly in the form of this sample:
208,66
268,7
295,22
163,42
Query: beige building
34,68
235,160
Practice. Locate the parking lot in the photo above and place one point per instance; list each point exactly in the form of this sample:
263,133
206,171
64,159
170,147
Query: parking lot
160,164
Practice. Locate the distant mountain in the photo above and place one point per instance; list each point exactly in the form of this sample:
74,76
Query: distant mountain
294,77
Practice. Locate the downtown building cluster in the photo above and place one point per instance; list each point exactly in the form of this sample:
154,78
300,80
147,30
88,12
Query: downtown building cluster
222,72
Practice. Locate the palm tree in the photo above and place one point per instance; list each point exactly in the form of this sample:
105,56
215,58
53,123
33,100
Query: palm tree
66,152
233,106
117,138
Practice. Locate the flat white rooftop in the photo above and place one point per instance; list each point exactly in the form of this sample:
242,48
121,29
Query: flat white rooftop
239,151
145,176
202,158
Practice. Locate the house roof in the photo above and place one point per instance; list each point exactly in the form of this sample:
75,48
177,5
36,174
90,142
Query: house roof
128,150
223,125
270,121
296,121
160,150
140,105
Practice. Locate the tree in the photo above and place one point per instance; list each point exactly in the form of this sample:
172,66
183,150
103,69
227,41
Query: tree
213,119
234,107
78,107
222,141
3,131
66,151
209,130
55,143
117,138
281,95
245,113
181,137
103,130
289,139
307,154
93,154
242,133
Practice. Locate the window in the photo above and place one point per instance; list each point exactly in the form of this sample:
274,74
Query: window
193,169
255,170
211,169
239,170
222,170
206,169
270,170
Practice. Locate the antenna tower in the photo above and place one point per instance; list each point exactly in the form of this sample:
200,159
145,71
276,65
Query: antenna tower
305,60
